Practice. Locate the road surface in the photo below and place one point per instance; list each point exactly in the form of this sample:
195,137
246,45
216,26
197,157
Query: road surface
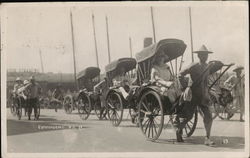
61,132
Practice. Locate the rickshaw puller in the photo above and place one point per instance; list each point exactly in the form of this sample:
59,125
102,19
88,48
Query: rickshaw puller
236,83
33,90
200,94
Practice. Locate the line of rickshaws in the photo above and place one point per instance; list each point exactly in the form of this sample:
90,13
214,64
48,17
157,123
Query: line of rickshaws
147,105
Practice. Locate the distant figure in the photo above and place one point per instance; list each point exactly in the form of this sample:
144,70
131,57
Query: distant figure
18,84
16,96
23,96
236,83
33,91
57,96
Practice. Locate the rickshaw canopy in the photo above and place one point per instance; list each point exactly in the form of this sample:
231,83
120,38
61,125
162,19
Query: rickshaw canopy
126,63
89,73
173,48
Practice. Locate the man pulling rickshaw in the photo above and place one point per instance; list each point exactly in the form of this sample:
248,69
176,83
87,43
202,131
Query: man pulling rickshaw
33,91
236,84
199,73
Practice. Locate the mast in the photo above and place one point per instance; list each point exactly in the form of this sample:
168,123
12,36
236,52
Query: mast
96,52
73,47
107,27
153,25
130,47
191,34
41,60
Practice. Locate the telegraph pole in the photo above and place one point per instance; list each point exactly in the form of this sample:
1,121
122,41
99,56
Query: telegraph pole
107,27
96,52
130,47
153,25
191,34
41,60
73,47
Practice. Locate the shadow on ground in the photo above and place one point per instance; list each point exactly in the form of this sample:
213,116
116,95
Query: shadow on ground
220,142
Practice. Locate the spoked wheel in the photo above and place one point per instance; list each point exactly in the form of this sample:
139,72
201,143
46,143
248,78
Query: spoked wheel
115,108
84,106
191,125
151,116
68,104
225,112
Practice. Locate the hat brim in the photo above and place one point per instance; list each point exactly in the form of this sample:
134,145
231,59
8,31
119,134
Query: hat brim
202,52
238,69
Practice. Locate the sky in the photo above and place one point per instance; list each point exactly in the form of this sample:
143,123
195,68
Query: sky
27,28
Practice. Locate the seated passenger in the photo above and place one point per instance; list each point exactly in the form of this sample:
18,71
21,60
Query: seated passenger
162,76
122,80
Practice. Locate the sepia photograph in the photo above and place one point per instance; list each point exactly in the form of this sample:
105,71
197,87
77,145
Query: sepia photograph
125,79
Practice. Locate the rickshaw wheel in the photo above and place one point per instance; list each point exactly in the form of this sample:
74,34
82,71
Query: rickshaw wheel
150,107
68,104
84,107
115,108
191,125
225,112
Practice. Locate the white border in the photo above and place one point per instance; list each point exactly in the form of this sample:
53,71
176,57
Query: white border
117,154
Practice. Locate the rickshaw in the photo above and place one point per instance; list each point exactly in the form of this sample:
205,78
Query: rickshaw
18,101
220,95
86,99
153,106
116,102
16,106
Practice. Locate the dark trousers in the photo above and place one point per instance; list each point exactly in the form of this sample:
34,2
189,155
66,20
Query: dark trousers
32,103
187,113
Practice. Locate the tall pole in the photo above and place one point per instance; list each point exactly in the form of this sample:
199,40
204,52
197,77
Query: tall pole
153,25
130,47
73,47
41,59
107,27
96,53
191,34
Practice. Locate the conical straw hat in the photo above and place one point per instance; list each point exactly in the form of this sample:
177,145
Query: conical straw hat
238,68
203,50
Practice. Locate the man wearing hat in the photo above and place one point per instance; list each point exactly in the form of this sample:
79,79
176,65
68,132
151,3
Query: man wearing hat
199,72
33,91
237,85
18,84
